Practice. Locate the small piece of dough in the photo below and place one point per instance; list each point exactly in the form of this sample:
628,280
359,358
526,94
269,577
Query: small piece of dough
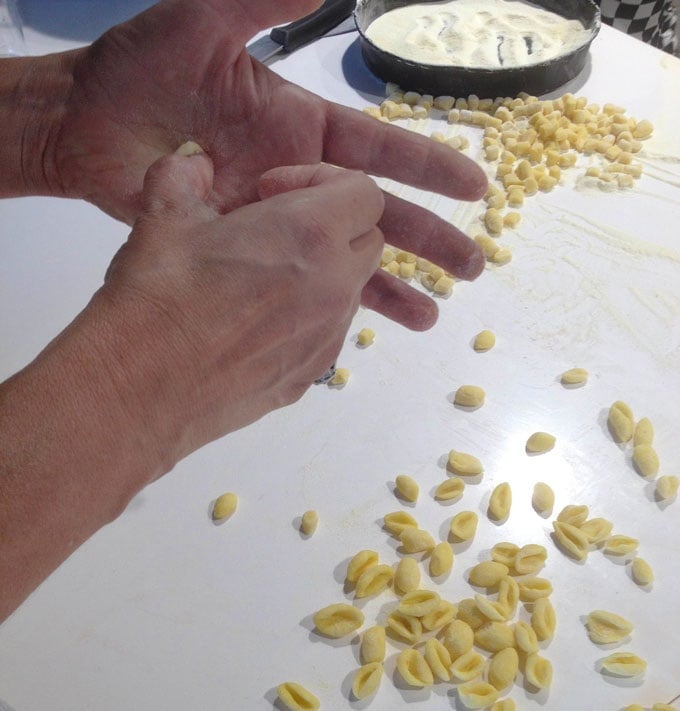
458,638
477,694
642,571
361,562
469,613
415,540
469,396
484,341
574,376
309,522
543,499
624,664
532,588
374,580
441,559
464,464
338,620
574,514
225,505
644,432
295,697
414,669
508,596
438,659
407,487
467,666
373,647
407,576
646,460
540,442
500,502
621,422
464,525
487,574
526,639
543,619
621,545
450,489
367,680
530,558
419,602
406,627
494,636
503,667
607,627
397,521
538,671
340,377
667,486
571,540
504,705
596,530
505,552
366,337
442,615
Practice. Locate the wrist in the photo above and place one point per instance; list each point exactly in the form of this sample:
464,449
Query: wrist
33,96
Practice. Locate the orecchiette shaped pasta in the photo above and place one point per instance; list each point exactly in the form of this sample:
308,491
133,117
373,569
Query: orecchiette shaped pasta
406,576
360,563
373,645
414,669
503,668
374,580
467,666
624,664
338,620
477,694
538,671
543,619
438,659
367,680
464,525
397,521
295,697
571,540
419,602
607,627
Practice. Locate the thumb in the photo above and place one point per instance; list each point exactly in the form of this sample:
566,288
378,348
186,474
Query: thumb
178,182
293,177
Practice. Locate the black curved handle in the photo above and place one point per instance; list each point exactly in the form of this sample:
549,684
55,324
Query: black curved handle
312,26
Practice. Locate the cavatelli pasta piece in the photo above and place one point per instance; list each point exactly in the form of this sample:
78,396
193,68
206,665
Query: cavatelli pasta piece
338,620
414,669
296,697
367,680
397,521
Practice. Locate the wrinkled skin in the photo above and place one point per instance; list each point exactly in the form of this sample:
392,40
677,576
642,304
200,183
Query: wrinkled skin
180,72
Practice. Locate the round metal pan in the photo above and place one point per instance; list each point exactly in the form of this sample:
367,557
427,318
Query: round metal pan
452,80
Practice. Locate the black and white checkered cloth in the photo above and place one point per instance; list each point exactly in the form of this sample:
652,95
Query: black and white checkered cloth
652,21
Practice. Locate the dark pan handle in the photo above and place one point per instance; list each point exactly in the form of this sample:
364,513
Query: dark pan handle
312,26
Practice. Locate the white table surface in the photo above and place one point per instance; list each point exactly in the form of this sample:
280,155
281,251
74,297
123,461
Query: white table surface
162,610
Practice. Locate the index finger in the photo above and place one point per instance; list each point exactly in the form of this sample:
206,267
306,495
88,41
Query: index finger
355,140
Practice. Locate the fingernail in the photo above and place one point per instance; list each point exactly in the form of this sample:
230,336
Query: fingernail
190,148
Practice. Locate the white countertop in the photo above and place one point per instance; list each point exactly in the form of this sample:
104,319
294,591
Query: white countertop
164,610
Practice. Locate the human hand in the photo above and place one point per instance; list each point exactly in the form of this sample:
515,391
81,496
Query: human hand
239,313
180,72
205,322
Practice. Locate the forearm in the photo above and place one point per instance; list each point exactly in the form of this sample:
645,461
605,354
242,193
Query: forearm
33,94
76,446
